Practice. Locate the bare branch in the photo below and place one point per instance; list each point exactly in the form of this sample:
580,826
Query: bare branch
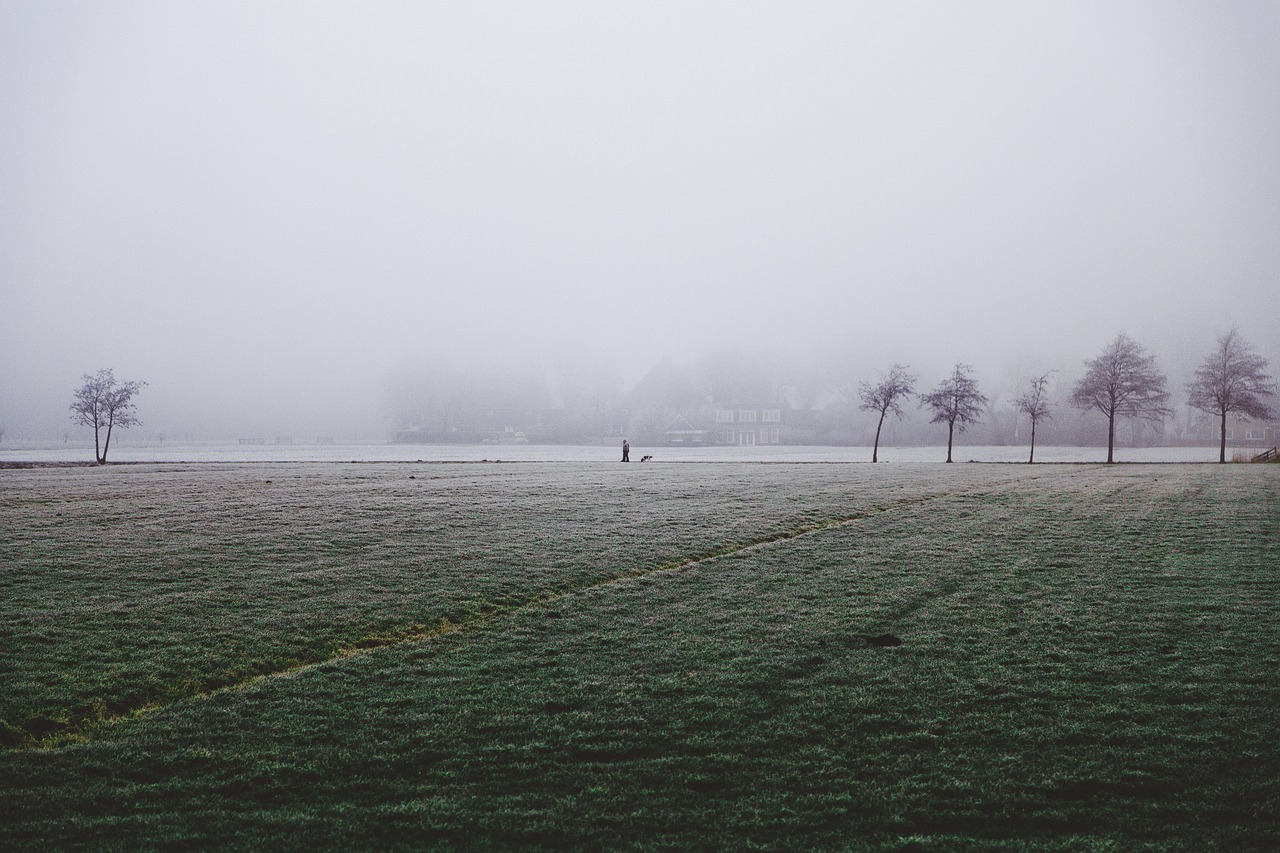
956,401
1035,405
1122,380
883,397
1232,379
102,402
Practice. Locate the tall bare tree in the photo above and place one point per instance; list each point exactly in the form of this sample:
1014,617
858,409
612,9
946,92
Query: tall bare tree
1233,378
883,397
1035,405
1122,380
956,401
103,403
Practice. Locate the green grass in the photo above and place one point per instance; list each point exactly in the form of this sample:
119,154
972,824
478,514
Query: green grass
1089,656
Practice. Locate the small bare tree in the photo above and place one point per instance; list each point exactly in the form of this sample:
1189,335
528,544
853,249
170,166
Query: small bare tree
1122,380
883,397
1233,378
957,401
1035,405
101,402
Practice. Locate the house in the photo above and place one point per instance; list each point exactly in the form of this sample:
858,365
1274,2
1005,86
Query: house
1253,433
477,424
748,427
667,406
681,433
652,406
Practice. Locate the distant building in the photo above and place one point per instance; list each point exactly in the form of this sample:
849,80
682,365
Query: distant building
681,433
748,427
479,424
664,394
1251,432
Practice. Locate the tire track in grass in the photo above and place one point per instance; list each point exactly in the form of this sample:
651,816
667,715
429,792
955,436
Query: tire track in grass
84,730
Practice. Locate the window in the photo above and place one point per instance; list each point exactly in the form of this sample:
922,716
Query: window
771,416
723,416
747,416
769,436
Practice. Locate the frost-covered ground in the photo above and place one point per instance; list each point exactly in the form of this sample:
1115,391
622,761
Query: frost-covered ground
588,655
125,451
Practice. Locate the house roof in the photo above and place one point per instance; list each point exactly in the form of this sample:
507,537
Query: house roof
681,426
665,385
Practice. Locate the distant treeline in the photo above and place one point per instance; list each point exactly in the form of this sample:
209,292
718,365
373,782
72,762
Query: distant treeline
707,402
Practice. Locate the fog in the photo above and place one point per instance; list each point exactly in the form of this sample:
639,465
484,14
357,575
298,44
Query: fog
268,210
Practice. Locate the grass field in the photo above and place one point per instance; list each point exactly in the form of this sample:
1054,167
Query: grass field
668,655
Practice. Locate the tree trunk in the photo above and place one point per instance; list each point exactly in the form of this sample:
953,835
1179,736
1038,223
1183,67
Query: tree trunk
1033,442
1222,439
1111,437
97,448
951,428
107,445
875,451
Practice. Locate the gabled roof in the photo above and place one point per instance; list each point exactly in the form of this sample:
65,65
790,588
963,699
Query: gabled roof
681,426
665,385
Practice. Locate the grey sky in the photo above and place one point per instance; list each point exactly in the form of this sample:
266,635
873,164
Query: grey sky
265,207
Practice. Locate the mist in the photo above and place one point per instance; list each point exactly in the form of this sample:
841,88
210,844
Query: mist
268,211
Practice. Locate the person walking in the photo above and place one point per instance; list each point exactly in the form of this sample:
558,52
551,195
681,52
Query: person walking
626,451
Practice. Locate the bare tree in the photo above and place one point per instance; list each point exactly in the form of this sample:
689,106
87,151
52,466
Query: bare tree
1232,378
1035,405
101,402
883,397
957,401
1122,380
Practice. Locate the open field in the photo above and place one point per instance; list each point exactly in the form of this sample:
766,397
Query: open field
551,654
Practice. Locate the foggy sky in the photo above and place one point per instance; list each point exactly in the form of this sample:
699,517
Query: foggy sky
262,209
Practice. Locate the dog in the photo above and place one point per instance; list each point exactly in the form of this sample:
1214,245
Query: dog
646,458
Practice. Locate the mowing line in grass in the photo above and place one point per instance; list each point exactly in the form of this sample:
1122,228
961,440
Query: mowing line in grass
84,730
